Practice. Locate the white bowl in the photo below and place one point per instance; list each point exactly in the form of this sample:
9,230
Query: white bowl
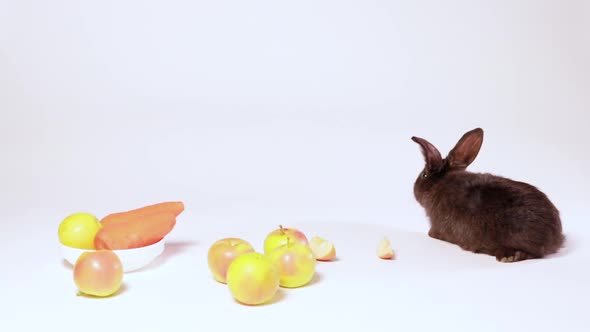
132,259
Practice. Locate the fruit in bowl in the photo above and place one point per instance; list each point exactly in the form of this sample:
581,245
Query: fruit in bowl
136,236
223,252
98,273
135,233
281,236
139,227
295,262
173,207
78,230
252,279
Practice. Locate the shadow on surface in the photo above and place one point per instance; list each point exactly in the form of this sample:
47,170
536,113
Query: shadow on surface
317,278
279,296
66,264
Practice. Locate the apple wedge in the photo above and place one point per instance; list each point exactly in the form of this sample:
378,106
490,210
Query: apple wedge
322,249
384,250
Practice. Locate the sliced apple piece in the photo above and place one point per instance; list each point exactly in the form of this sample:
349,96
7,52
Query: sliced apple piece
384,250
323,250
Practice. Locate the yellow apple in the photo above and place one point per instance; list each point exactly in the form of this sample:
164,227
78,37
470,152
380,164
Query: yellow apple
223,252
281,236
78,230
384,250
323,250
295,263
252,278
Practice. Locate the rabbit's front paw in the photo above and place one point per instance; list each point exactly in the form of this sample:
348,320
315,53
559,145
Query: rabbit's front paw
435,234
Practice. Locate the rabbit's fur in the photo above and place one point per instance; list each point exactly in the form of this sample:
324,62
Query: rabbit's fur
484,213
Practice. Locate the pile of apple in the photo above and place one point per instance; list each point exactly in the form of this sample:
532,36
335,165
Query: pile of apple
253,278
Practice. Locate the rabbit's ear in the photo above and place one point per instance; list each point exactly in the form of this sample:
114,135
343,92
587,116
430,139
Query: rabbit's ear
466,149
432,156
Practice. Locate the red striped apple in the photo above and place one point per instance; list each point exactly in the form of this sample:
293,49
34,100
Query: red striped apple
295,263
98,273
222,253
281,236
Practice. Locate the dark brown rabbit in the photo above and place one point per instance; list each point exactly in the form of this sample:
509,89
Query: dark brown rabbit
484,213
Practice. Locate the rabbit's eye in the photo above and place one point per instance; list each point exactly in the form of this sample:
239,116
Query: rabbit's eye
424,175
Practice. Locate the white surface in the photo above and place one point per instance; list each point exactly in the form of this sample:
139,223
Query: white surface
131,259
258,113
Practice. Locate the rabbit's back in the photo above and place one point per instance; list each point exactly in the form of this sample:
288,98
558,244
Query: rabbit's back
483,212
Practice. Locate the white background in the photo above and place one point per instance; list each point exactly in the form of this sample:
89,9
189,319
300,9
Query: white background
255,113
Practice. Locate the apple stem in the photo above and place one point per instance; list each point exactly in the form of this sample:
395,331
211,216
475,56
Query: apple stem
282,229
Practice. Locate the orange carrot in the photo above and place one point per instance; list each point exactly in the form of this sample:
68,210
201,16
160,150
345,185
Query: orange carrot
136,232
173,207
